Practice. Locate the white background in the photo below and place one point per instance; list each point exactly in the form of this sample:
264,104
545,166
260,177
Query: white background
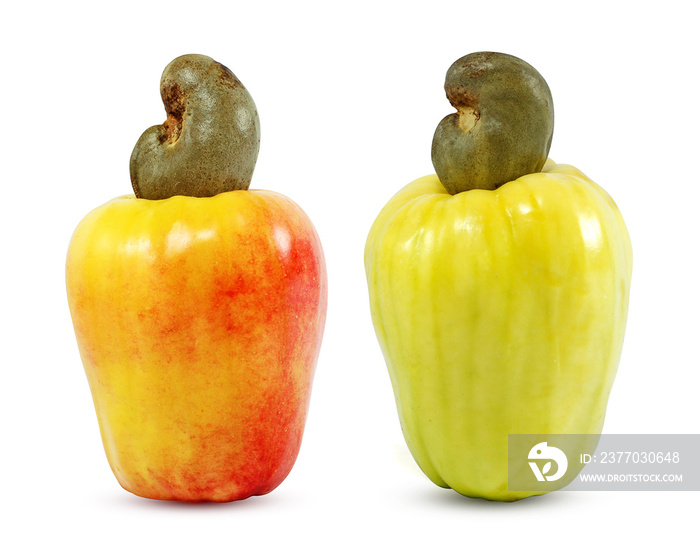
349,96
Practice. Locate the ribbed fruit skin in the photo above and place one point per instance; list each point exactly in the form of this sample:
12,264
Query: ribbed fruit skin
498,312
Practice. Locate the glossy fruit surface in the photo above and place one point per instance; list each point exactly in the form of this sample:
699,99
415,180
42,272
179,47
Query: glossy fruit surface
498,312
199,323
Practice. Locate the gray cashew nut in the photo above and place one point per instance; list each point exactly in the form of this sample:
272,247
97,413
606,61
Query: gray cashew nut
503,126
210,140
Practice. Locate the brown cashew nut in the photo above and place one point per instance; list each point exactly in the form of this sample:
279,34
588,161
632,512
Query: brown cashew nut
503,126
210,140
